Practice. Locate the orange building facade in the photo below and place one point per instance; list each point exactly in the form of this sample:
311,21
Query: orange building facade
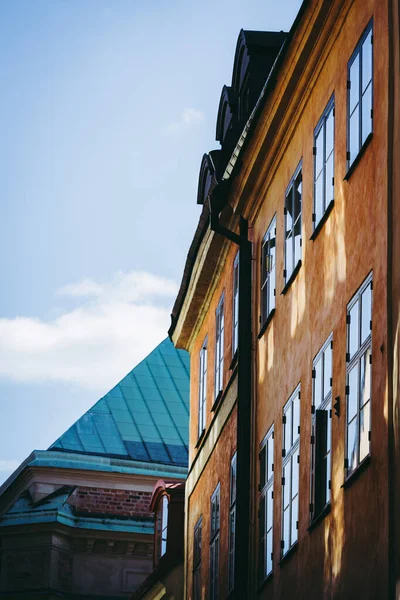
301,450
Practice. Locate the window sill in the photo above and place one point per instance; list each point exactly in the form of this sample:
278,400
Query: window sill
357,472
267,322
264,582
288,554
320,517
234,361
323,220
358,157
216,401
291,278
199,440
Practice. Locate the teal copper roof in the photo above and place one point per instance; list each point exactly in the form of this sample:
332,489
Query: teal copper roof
145,417
56,509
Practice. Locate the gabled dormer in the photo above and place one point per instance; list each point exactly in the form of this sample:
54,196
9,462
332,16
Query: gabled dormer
226,114
207,175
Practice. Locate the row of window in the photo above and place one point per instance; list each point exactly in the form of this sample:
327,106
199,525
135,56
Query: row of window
358,432
214,541
359,116
359,129
358,436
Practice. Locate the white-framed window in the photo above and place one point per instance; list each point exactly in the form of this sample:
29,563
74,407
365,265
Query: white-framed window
324,141
232,525
214,544
266,514
290,471
358,371
292,211
321,429
197,560
235,307
360,95
202,388
219,347
268,272
162,527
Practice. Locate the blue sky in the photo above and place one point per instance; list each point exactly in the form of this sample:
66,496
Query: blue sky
107,107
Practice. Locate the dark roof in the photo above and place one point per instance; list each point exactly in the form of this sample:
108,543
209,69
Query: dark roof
145,417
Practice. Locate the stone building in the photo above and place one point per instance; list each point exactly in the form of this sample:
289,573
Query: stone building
76,520
290,308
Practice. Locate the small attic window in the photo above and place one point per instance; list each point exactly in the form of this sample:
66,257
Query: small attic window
161,527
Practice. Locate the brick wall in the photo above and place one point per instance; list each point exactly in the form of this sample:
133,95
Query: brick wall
90,500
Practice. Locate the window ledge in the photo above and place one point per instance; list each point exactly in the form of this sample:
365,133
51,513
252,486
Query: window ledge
266,323
291,278
323,220
200,438
216,401
264,582
288,554
320,517
357,472
358,157
234,361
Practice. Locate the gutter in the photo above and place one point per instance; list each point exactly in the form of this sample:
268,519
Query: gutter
244,403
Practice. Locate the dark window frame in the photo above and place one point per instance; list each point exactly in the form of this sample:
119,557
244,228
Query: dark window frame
321,430
232,524
215,519
235,306
268,273
321,129
219,347
290,461
203,355
290,198
358,54
357,361
266,506
197,541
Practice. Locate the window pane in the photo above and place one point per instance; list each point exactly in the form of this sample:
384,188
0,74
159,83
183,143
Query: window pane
352,444
366,61
286,530
319,157
262,467
352,400
365,378
329,427
354,134
297,218
271,291
289,211
295,474
289,256
366,313
269,510
329,195
319,198
366,113
297,242
354,334
270,456
288,429
365,420
295,516
327,370
318,383
269,554
354,83
296,417
286,487
328,475
329,128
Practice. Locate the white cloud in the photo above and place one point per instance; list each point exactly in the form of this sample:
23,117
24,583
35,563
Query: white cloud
189,118
115,325
9,465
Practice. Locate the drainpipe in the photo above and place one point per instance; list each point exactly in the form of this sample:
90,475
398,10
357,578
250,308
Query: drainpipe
243,439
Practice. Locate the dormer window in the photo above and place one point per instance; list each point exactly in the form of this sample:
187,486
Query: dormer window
161,527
